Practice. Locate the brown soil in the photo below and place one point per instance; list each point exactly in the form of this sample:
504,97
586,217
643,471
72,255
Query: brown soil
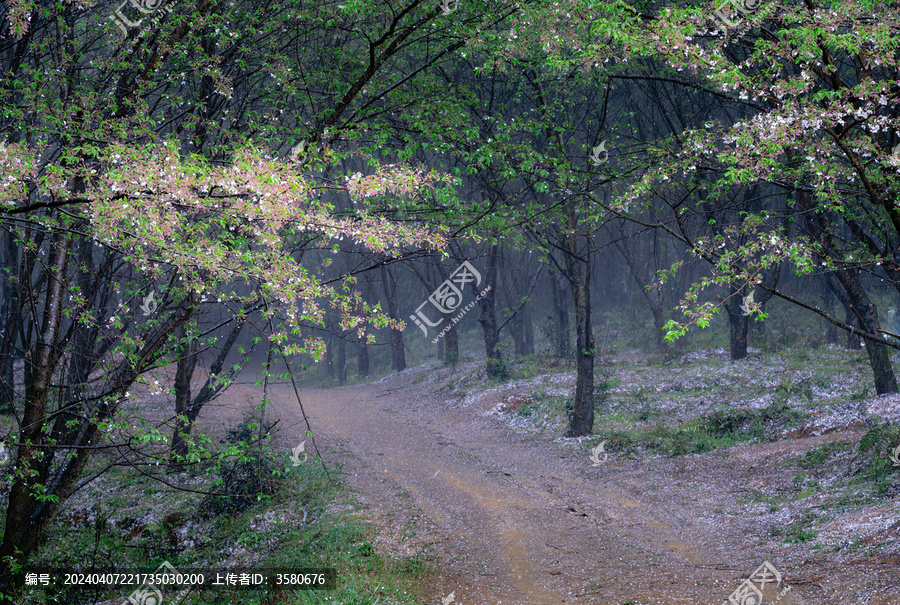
507,517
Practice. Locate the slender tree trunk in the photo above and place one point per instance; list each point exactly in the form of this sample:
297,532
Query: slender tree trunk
654,302
184,421
738,323
856,299
830,328
488,318
362,357
341,346
853,341
184,371
867,314
560,314
41,359
398,353
529,331
450,341
329,355
578,272
10,312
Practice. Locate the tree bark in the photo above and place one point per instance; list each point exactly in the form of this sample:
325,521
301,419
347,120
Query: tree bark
398,353
488,319
867,314
184,371
329,355
854,343
738,323
529,331
184,421
341,346
560,315
578,272
450,341
828,299
362,357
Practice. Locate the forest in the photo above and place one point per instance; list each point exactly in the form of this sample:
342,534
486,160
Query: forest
389,295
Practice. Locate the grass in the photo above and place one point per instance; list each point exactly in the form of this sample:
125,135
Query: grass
130,522
720,429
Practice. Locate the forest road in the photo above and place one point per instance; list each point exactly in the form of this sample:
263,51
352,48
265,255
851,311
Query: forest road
513,519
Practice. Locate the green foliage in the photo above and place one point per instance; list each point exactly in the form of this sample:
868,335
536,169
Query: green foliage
498,370
816,457
253,475
719,429
876,448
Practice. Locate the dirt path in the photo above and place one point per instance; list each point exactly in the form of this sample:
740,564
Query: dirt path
518,520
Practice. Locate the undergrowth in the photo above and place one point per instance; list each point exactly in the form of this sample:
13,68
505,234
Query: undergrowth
260,512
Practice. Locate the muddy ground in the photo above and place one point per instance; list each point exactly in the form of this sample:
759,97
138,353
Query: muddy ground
509,515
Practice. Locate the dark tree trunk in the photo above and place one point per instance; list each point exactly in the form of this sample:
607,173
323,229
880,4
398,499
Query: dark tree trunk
771,279
578,272
10,313
830,328
184,421
529,331
450,341
398,353
362,357
517,331
853,341
560,315
329,355
184,371
867,314
488,318
738,323
341,345
856,299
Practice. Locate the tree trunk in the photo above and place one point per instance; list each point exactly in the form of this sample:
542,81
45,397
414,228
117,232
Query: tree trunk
578,272
362,357
867,314
329,355
488,319
738,323
529,331
450,341
830,328
560,314
184,371
853,341
184,421
654,302
341,345
398,353
10,313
